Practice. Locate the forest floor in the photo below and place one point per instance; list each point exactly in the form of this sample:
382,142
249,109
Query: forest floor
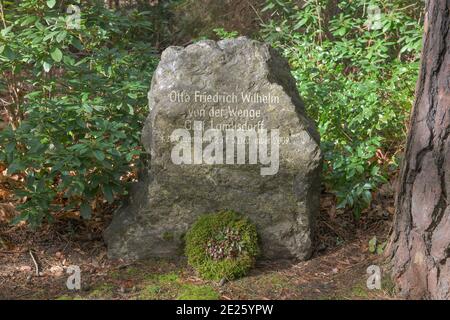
337,269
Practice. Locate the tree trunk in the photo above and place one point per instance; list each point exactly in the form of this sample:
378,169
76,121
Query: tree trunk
419,248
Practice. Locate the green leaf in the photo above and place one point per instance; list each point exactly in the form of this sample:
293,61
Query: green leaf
15,167
57,55
99,155
28,21
47,66
85,210
380,248
107,191
373,245
300,23
5,31
49,36
10,147
8,54
21,217
268,7
61,36
367,197
340,31
51,3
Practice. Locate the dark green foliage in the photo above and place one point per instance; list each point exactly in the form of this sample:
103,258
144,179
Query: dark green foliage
79,99
358,83
222,245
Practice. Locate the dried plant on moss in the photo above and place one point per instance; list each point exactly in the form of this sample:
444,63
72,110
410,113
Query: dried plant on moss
223,245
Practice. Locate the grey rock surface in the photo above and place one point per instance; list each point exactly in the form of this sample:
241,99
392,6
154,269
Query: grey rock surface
169,197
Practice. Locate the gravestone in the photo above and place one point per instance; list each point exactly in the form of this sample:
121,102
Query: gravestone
226,130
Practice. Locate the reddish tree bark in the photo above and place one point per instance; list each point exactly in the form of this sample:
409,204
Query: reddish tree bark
420,244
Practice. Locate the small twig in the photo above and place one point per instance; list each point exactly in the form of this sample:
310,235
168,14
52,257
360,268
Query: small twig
256,12
319,20
6,103
2,14
407,7
36,265
11,251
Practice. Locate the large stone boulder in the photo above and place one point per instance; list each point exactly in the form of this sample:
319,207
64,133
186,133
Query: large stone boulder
235,86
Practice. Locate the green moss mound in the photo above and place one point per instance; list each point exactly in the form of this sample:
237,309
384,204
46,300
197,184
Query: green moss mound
222,245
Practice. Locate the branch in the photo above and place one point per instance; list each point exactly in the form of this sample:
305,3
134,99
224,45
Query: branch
36,265
2,15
